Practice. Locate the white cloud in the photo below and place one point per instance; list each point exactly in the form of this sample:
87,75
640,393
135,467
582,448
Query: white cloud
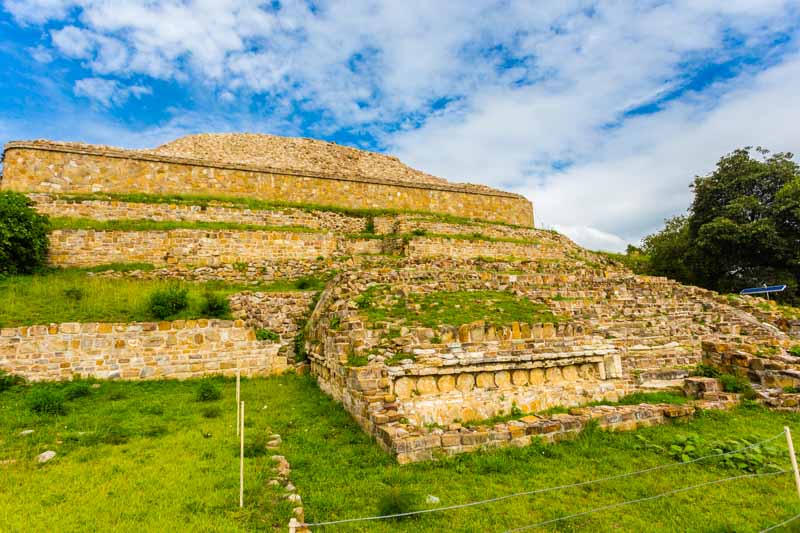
528,86
41,54
73,41
108,93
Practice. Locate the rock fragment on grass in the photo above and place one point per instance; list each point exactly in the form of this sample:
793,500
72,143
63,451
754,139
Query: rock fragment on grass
45,456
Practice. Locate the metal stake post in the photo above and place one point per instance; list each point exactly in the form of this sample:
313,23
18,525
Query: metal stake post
793,458
238,417
241,460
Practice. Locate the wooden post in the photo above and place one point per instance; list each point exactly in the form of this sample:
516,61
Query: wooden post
238,417
793,458
241,460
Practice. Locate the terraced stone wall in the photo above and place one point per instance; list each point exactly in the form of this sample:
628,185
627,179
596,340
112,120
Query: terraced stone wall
53,168
419,247
141,350
85,248
54,206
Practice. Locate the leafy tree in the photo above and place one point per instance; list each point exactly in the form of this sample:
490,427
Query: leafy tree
666,250
23,235
743,228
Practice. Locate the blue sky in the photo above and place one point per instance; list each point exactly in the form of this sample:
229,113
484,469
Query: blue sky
600,112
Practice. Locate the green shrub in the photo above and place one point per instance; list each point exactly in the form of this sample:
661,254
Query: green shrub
208,392
215,305
795,350
397,500
254,445
300,352
369,227
264,334
9,380
46,401
211,412
23,235
419,232
74,294
115,435
115,395
357,360
306,283
152,409
168,302
736,384
706,371
75,390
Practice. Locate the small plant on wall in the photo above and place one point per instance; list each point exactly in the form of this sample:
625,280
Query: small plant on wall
264,334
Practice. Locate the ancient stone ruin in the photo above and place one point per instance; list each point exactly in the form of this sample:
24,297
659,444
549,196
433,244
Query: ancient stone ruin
443,305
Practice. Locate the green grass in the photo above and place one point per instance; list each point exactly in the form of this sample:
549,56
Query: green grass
451,308
143,457
271,205
787,311
647,397
631,399
70,295
471,237
163,225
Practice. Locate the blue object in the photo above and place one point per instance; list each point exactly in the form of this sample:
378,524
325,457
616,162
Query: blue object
764,289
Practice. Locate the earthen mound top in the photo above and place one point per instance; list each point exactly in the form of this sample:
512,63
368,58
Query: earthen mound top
295,153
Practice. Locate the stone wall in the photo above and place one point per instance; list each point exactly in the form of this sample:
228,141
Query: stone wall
419,247
84,248
141,350
54,206
413,445
53,168
281,312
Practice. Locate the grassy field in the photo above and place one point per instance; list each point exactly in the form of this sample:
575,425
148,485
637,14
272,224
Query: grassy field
164,225
452,308
71,296
146,457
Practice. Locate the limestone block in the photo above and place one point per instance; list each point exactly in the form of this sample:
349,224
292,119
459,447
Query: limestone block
536,376
570,373
427,385
485,380
588,371
446,383
465,382
404,388
519,377
502,379
553,375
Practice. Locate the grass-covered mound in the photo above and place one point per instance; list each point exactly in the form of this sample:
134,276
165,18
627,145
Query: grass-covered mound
153,457
452,308
71,295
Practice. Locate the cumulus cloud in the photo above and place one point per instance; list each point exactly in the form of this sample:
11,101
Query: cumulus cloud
108,93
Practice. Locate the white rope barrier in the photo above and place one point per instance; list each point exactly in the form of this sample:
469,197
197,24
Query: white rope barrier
776,526
544,490
648,498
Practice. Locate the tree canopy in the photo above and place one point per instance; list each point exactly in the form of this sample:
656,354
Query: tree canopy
23,235
742,229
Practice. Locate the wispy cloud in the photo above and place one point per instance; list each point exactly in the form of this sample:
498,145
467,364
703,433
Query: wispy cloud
108,92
